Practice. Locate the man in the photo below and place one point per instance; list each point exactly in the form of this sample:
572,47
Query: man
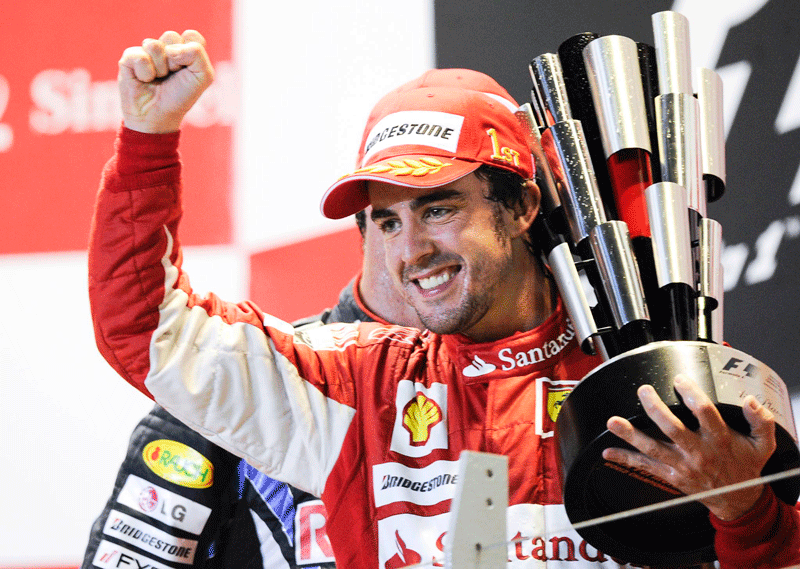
237,517
374,418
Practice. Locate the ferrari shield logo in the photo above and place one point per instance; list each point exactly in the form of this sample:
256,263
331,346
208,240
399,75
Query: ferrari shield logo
550,396
554,401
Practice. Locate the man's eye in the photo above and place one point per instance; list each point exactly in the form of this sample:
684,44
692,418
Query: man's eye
437,212
389,225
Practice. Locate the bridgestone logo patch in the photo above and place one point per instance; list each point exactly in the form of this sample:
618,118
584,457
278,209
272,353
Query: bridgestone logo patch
393,482
425,128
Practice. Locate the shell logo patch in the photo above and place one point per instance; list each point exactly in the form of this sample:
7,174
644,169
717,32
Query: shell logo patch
420,421
178,463
420,415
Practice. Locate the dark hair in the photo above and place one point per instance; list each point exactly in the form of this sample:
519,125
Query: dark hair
361,222
508,189
505,187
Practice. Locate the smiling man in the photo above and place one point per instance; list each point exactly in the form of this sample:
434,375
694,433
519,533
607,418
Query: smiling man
452,251
370,417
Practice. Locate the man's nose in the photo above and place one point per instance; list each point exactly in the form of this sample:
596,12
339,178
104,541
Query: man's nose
417,244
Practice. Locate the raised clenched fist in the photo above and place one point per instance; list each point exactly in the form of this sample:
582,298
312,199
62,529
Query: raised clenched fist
160,80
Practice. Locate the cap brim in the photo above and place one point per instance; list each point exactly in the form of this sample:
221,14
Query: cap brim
349,194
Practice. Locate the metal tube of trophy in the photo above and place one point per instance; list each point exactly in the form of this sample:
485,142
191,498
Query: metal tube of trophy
667,206
563,137
576,85
712,132
678,120
582,210
674,63
611,244
712,158
557,252
562,265
615,80
583,205
612,65
711,288
677,112
550,200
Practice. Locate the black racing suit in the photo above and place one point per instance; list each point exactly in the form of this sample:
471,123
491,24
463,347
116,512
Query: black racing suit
229,514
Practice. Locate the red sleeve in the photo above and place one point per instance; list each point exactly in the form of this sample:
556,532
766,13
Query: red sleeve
143,164
239,377
768,536
142,160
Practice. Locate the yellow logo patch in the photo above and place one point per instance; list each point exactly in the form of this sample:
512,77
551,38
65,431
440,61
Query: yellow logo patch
178,463
419,417
554,401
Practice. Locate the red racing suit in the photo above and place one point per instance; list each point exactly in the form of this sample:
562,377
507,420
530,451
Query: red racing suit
369,417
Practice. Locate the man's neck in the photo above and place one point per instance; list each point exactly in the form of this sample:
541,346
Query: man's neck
532,298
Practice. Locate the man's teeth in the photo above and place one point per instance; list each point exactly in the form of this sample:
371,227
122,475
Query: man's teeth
434,281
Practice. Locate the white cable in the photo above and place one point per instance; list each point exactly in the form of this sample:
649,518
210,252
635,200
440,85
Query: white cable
637,511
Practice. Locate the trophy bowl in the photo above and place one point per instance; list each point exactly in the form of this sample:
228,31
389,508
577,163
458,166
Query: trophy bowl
594,487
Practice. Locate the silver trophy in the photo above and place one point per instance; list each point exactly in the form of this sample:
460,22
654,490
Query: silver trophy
652,257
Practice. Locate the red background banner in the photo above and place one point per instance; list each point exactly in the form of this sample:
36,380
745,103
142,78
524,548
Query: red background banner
58,104
295,280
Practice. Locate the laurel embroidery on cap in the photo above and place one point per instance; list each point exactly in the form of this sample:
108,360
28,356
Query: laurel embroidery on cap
406,167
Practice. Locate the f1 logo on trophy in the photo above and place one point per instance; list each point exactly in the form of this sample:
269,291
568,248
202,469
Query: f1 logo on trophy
628,156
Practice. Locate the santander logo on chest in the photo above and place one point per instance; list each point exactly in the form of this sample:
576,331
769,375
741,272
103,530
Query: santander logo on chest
513,356
420,425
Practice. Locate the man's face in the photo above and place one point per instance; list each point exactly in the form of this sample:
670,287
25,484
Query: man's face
377,288
449,249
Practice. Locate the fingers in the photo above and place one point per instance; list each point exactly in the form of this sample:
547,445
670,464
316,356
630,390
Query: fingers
651,451
700,405
661,415
157,58
654,457
136,64
190,55
762,425
156,51
170,37
193,36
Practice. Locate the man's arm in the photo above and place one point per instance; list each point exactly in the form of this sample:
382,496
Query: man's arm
748,521
239,377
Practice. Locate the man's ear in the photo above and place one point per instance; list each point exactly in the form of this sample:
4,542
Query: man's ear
527,210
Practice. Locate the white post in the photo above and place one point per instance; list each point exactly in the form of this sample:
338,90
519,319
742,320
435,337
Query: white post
478,523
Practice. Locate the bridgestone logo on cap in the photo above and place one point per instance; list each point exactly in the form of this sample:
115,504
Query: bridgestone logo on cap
426,128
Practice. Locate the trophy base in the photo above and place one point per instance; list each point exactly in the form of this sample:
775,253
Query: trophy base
593,487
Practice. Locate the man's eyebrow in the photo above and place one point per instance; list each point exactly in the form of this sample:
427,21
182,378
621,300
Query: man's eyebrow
419,202
444,194
380,214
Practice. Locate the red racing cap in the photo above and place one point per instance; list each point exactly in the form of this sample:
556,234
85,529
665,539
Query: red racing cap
432,131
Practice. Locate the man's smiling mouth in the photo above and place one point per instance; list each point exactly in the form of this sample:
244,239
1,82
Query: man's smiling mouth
436,280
